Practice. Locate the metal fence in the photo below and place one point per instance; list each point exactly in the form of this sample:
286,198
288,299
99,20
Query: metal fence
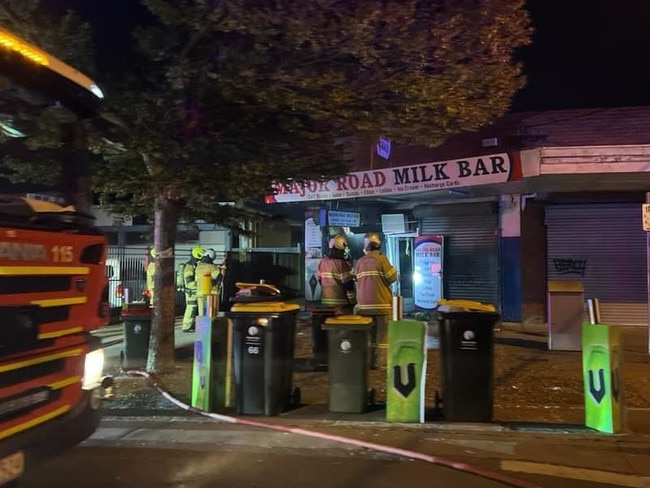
125,269
283,267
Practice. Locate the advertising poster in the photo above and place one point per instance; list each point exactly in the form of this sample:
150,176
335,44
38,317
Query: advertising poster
313,254
427,275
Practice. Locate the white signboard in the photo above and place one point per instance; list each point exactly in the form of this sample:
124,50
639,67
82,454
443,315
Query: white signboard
345,219
645,215
480,170
427,279
313,254
313,235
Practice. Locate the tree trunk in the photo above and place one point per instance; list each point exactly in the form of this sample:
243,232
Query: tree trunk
162,346
75,167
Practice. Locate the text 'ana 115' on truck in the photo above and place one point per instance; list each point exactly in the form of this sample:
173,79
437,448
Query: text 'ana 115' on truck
53,288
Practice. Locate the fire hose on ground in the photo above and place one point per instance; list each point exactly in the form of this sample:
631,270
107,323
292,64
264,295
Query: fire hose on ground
405,453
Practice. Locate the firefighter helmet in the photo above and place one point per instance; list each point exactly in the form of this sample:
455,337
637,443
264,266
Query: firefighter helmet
152,252
371,241
197,252
338,242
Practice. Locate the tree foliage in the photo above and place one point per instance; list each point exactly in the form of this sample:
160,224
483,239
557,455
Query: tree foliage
227,97
410,70
230,95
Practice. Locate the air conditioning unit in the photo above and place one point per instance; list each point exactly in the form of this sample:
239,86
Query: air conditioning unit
394,224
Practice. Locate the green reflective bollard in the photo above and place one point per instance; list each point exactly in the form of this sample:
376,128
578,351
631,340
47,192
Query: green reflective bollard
405,372
211,368
602,378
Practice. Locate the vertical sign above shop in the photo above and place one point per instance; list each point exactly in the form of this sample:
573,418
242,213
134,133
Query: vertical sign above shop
645,220
428,273
383,147
645,216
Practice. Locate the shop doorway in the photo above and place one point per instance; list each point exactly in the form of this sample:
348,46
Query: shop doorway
399,250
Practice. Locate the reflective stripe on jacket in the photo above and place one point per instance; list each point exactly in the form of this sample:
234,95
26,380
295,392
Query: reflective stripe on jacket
374,275
336,281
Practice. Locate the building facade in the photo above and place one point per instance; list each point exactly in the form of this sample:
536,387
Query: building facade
532,198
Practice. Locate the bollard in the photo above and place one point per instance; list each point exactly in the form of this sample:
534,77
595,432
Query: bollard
406,371
206,284
601,372
211,384
397,308
593,308
211,305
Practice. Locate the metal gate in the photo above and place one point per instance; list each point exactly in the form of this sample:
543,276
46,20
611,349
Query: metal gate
125,269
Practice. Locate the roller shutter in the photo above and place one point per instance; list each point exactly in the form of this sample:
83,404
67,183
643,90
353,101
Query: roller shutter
470,267
604,246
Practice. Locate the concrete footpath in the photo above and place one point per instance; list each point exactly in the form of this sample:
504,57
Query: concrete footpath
538,400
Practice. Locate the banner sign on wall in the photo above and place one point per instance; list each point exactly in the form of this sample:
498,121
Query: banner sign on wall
427,279
480,170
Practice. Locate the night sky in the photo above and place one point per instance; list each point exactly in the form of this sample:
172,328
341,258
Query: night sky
585,53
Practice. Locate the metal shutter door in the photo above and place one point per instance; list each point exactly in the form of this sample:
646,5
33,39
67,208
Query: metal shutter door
470,266
608,241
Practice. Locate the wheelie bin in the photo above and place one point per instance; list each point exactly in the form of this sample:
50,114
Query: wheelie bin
137,330
466,331
348,345
263,347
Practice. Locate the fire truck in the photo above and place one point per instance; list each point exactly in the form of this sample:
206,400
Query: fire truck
53,288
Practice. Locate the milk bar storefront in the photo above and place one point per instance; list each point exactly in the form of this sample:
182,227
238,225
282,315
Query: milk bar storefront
443,243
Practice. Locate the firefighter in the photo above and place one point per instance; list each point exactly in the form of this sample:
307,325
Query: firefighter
190,288
374,275
204,267
151,271
334,274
